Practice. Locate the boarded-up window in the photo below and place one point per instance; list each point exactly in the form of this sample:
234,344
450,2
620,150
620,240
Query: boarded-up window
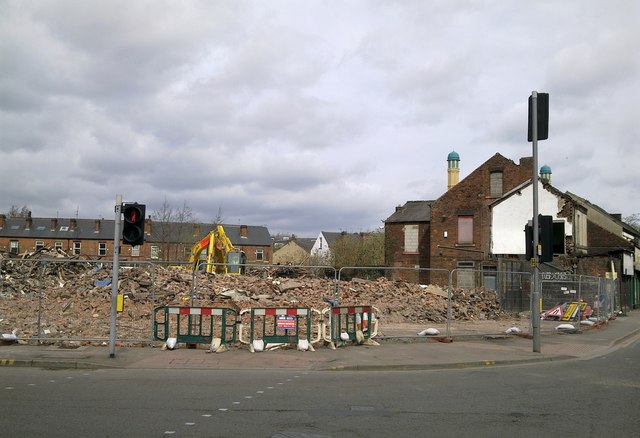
465,229
410,238
495,181
465,275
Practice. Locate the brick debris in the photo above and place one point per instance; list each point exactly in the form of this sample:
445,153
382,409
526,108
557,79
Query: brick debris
73,296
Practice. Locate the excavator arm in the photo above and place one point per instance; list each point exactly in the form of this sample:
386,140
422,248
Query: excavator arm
218,248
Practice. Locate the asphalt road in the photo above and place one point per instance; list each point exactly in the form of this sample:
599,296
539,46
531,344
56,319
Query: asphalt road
585,398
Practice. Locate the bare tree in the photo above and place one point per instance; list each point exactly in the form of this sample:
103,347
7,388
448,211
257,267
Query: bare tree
184,223
16,211
219,218
633,220
173,226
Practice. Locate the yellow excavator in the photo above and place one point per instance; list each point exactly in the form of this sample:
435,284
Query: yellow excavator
222,257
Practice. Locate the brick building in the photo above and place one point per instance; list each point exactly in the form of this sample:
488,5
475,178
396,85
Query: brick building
407,240
477,228
461,217
93,239
454,230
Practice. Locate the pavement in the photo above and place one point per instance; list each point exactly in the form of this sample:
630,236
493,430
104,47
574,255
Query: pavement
393,353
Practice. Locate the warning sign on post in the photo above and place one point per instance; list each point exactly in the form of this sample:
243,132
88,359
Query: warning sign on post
286,322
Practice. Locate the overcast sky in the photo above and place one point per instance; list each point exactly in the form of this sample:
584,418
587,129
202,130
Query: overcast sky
308,116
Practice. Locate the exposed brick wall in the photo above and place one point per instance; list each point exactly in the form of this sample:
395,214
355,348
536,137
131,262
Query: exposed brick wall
471,196
396,257
593,266
601,241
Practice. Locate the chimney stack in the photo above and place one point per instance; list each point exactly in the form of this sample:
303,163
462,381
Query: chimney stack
96,226
243,231
148,226
545,174
28,222
72,224
453,169
3,221
54,224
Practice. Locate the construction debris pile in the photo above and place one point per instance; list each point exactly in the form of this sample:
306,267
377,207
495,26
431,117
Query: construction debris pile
69,298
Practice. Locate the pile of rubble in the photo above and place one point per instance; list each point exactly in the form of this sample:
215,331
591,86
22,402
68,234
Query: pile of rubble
71,298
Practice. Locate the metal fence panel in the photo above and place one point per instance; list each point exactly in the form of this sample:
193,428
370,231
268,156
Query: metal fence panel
567,297
64,299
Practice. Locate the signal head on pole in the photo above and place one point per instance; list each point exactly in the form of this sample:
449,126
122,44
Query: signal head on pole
133,226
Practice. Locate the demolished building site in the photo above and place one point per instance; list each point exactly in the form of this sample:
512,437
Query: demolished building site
68,297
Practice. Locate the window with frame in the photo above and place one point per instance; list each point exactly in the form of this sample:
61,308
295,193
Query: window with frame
14,247
77,248
155,252
102,249
465,230
39,245
259,255
58,246
411,238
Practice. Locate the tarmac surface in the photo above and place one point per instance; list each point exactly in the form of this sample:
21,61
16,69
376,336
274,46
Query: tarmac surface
392,353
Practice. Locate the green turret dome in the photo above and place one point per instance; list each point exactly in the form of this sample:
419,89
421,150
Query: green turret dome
453,156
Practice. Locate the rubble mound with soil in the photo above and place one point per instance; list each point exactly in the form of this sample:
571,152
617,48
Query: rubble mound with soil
71,298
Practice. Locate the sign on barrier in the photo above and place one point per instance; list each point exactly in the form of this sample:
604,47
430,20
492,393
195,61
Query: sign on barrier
281,325
197,325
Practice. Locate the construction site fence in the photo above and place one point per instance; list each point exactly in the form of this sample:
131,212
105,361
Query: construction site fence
578,297
195,325
77,283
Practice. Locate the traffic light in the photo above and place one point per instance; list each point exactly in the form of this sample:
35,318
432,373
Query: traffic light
133,227
528,240
542,105
545,239
545,225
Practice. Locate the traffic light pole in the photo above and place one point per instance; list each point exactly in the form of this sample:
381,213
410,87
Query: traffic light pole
535,294
114,276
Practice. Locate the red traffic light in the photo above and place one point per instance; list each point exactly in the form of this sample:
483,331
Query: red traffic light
133,228
132,214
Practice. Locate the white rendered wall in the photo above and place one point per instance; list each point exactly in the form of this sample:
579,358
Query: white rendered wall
320,247
510,216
